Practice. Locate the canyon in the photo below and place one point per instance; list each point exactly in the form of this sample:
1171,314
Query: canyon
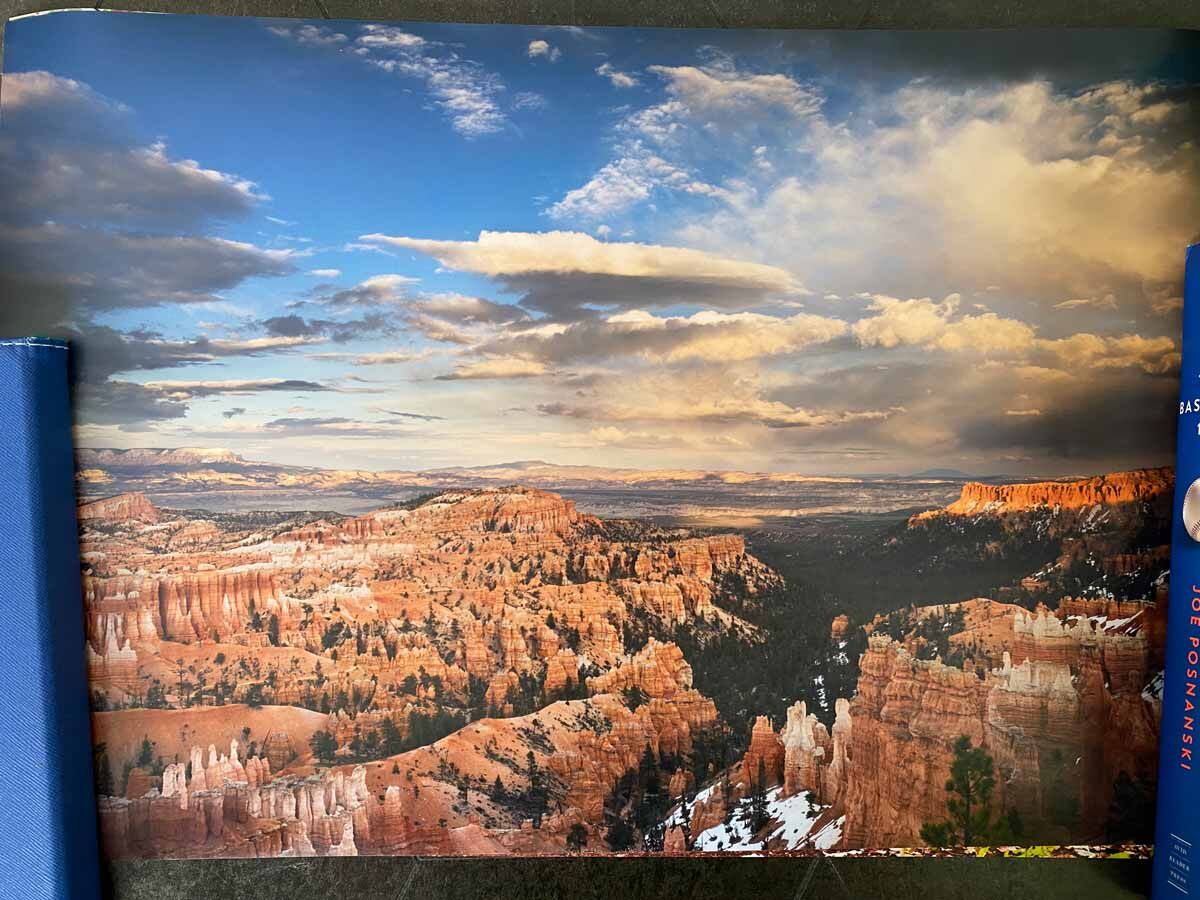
503,623
492,671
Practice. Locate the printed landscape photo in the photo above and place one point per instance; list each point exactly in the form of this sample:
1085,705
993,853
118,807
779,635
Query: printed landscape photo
535,441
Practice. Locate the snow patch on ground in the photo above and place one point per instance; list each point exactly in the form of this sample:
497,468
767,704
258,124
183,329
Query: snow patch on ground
791,826
1154,689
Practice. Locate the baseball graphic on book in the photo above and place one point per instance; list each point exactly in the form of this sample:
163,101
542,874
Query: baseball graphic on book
1191,510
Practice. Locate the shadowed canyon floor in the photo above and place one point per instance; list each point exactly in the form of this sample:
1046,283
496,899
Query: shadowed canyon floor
489,671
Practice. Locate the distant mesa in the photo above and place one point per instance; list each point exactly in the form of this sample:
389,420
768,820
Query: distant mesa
158,456
131,507
1103,490
194,469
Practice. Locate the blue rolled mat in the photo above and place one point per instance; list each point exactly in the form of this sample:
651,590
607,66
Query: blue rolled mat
48,844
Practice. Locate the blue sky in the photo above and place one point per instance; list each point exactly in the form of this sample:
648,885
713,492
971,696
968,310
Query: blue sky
410,246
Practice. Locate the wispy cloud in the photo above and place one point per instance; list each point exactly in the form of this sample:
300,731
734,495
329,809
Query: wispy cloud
310,35
467,93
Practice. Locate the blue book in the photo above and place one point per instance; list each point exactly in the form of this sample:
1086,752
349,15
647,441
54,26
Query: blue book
1177,839
45,736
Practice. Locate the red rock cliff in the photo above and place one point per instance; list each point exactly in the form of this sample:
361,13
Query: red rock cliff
132,507
1119,487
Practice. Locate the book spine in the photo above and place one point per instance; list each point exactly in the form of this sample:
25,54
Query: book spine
48,845
1177,830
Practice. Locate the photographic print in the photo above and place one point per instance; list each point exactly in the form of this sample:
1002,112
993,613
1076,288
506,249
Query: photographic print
501,440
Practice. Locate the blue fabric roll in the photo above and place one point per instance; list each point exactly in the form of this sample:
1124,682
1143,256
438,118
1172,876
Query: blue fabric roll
48,844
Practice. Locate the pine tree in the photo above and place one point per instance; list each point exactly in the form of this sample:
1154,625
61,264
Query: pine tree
537,787
684,820
620,835
972,779
392,740
576,838
1131,813
760,811
105,785
323,745
146,756
1062,799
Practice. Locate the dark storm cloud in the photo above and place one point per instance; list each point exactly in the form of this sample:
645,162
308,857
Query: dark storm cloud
370,325
1115,416
1000,414
563,410
1068,57
187,390
710,336
69,155
292,325
897,383
234,412
137,407
444,317
132,406
76,271
568,297
63,111
93,220
465,310
99,351
373,291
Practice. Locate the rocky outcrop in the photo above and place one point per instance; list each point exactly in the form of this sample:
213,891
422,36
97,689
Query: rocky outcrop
1121,487
131,507
803,752
764,757
1056,699
595,760
1048,722
657,670
835,775
153,457
186,607
242,811
116,662
510,641
512,510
